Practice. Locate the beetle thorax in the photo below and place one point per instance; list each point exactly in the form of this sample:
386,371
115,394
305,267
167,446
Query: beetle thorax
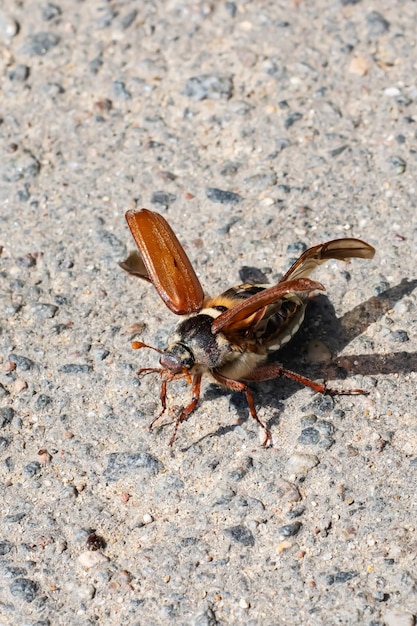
194,346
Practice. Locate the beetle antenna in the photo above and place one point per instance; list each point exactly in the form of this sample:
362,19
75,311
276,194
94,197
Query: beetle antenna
136,345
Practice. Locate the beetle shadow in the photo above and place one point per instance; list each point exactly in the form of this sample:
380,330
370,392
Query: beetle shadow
337,332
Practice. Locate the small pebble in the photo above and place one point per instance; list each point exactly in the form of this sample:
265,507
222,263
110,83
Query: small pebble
120,91
44,456
337,151
85,592
14,572
22,166
95,542
241,534
308,420
221,196
286,492
397,164
296,512
24,589
5,547
399,336
54,89
229,168
4,443
19,385
403,306
392,92
261,181
75,368
3,392
252,275
225,228
325,427
42,401
358,66
32,469
309,436
205,617
42,311
100,354
6,415
122,464
90,558
318,352
280,145
377,24
9,27
398,617
320,405
106,17
231,8
128,19
403,100
209,86
296,248
284,545
340,577
292,119
13,518
163,198
28,260
40,43
110,240
95,64
103,106
290,530
19,73
50,11
326,443
301,464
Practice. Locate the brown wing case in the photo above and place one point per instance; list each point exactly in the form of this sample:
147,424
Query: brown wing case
165,262
339,249
249,312
241,314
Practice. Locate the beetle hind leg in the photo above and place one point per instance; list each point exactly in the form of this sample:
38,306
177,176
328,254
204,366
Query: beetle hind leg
274,370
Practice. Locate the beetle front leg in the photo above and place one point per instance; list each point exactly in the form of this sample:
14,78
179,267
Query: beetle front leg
186,411
163,398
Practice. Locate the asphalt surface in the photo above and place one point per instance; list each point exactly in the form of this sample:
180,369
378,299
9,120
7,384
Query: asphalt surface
257,129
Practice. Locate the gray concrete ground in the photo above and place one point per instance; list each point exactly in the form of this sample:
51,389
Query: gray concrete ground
257,129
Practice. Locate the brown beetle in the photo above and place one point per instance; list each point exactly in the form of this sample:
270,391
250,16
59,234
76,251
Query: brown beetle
229,336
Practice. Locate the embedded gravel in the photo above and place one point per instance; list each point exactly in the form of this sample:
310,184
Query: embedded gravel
257,129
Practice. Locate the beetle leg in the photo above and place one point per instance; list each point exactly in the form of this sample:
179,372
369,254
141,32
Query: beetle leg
186,411
274,370
163,398
237,385
148,370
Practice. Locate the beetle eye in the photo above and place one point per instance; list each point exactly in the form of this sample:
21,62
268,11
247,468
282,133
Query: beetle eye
170,362
178,358
188,363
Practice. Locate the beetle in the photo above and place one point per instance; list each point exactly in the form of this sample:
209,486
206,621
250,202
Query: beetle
231,335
